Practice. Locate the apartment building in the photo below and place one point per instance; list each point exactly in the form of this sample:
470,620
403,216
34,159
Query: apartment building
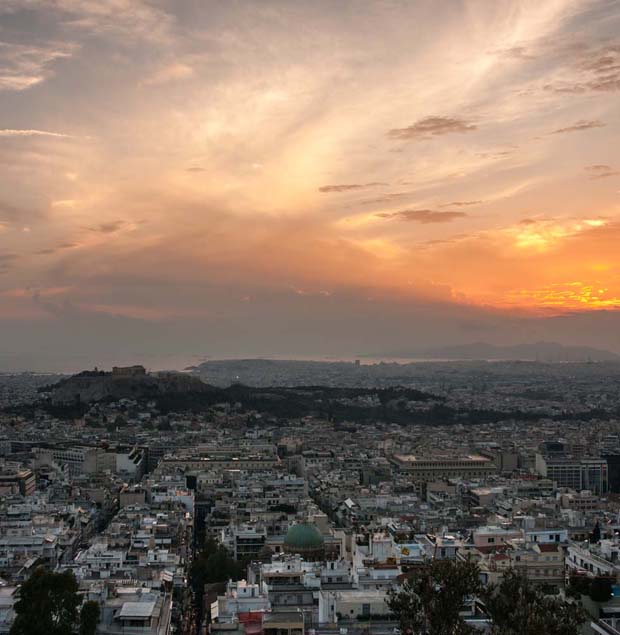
575,473
427,469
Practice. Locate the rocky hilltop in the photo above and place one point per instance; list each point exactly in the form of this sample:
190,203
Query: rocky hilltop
132,382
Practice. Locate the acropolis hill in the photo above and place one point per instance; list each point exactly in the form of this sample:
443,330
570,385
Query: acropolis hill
131,382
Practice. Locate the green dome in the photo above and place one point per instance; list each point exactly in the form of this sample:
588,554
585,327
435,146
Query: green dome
304,537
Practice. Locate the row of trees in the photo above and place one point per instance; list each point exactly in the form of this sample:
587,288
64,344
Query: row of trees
431,601
212,565
48,604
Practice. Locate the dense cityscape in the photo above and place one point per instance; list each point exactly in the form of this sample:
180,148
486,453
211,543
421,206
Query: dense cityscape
184,507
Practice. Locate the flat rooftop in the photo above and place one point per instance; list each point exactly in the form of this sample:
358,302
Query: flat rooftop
137,610
412,458
287,617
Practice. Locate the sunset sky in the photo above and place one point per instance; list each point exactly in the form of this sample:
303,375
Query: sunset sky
336,177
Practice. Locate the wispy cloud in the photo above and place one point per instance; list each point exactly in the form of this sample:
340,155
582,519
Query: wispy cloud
52,250
23,66
135,18
108,228
169,73
535,221
12,132
424,216
601,171
513,52
580,125
462,203
348,187
432,127
388,198
497,154
594,70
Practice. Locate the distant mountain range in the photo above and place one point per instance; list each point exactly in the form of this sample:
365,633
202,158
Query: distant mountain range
539,351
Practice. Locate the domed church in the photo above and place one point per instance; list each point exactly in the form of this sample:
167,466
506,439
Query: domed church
306,540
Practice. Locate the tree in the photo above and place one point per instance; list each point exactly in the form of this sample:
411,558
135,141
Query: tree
120,422
432,599
577,586
164,425
600,590
47,604
285,508
213,564
518,607
265,554
89,618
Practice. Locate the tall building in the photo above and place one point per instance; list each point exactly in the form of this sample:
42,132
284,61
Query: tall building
578,474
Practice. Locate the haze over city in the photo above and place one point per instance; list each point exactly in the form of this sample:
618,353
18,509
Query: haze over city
294,179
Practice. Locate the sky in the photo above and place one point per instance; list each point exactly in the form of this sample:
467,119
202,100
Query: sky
193,178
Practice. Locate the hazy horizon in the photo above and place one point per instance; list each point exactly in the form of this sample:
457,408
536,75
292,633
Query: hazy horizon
178,362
